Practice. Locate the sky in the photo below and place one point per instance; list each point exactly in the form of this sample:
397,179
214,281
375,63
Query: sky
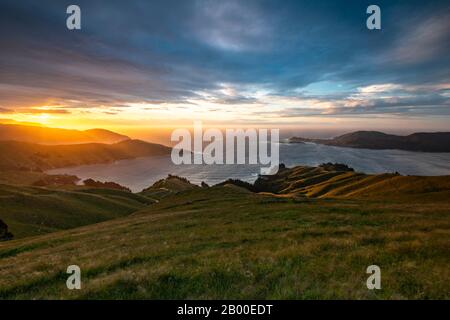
163,64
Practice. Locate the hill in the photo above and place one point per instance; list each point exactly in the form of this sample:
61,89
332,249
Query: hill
45,135
168,186
225,242
32,211
4,232
339,181
25,156
425,142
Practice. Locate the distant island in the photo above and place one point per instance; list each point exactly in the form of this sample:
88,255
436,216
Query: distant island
424,141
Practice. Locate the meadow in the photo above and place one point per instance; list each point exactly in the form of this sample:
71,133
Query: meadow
225,242
30,210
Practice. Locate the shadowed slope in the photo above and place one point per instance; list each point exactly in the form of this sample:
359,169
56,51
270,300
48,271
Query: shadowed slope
168,186
423,141
28,156
33,210
226,242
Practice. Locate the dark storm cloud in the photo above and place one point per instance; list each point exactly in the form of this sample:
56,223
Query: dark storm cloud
169,51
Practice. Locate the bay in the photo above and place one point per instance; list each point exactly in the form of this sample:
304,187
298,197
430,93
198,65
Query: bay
140,173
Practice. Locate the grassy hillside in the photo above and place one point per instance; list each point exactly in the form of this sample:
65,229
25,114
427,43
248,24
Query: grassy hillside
168,186
320,182
32,211
24,156
15,177
227,242
45,135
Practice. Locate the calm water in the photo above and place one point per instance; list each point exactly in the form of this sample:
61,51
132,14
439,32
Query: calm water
138,174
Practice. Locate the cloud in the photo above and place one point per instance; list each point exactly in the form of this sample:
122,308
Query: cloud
424,41
380,99
226,55
379,88
34,111
43,111
4,110
231,25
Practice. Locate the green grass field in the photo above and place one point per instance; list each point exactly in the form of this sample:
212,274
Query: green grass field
226,242
30,211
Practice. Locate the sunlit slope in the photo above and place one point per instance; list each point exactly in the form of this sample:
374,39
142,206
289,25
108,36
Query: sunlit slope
29,156
32,210
45,135
226,242
323,183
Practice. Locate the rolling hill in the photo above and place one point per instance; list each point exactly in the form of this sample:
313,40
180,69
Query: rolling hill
46,135
168,186
25,156
425,142
326,181
30,211
225,242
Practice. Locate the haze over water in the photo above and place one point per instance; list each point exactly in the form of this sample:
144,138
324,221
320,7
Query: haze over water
140,173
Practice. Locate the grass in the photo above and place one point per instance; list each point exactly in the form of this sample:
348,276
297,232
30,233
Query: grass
226,242
30,211
20,177
319,183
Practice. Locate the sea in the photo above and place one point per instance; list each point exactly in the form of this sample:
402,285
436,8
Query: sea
138,174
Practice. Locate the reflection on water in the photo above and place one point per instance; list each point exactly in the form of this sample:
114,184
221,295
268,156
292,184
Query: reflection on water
138,174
